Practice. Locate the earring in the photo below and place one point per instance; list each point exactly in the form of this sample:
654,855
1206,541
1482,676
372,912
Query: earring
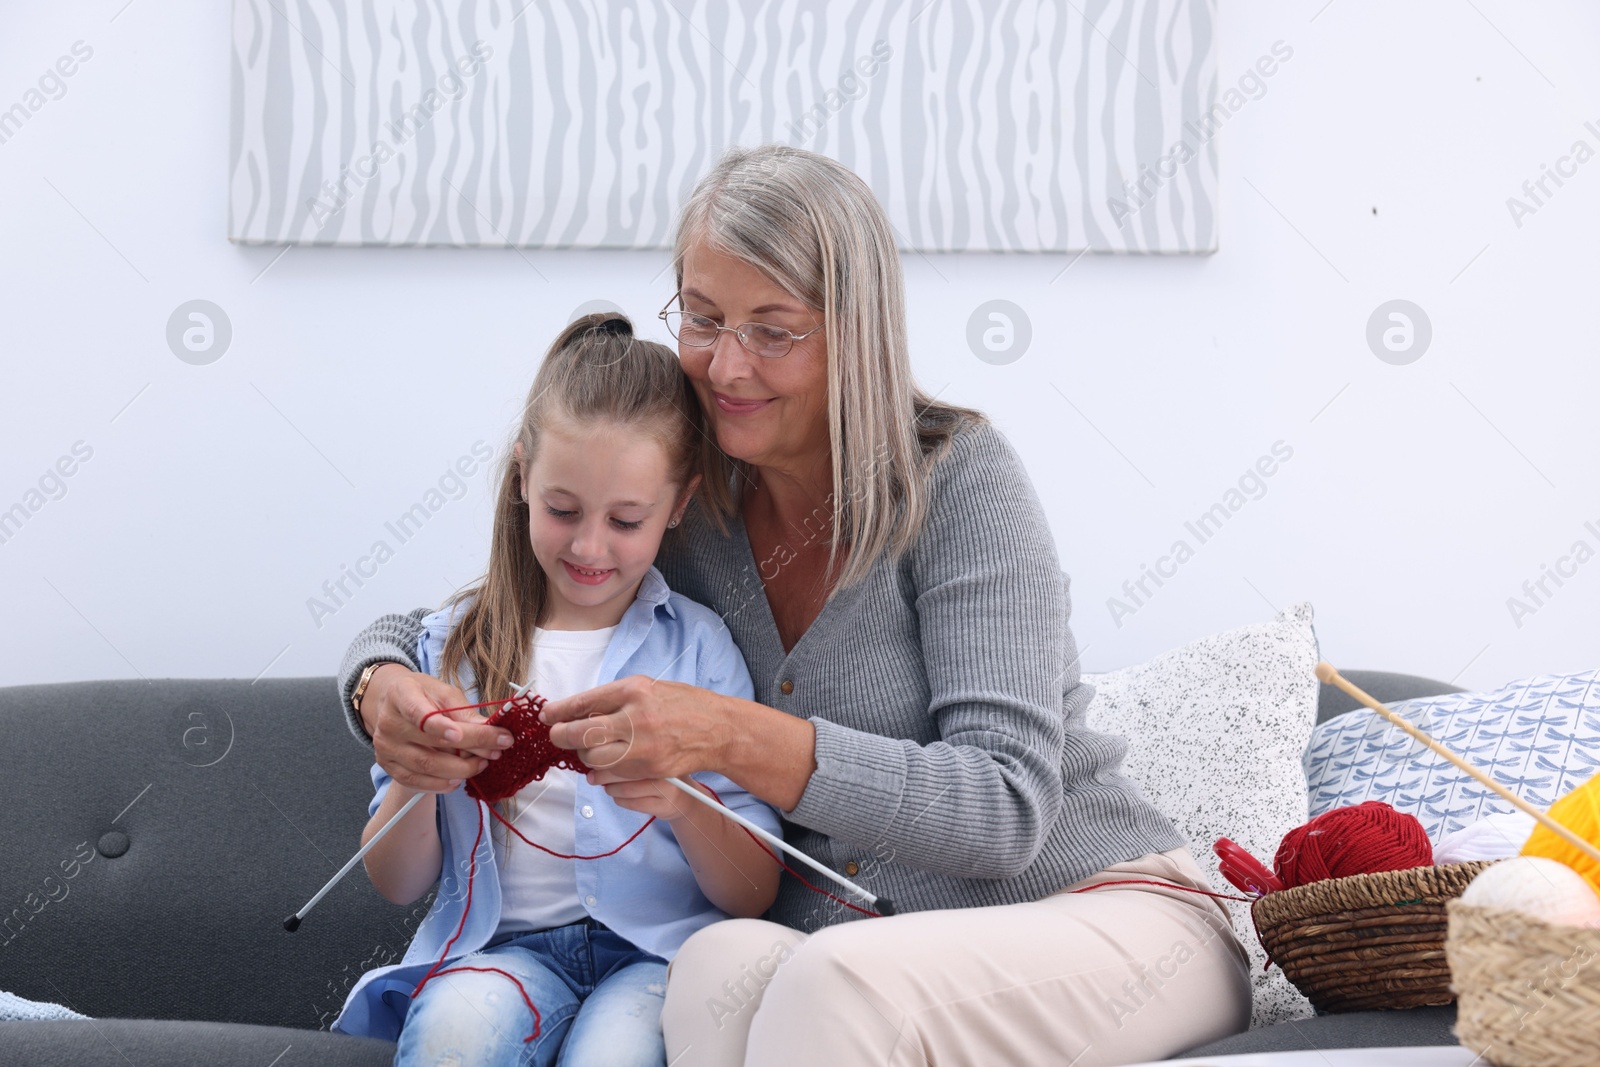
674,522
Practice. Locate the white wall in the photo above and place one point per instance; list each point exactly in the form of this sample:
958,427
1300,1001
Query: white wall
1376,165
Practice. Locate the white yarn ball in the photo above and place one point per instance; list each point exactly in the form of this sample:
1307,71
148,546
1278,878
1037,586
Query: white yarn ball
1539,887
1493,837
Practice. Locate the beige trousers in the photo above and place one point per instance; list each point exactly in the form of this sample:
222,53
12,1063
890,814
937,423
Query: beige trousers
1116,975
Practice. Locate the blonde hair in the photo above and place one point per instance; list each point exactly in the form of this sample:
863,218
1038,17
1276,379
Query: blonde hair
595,370
814,227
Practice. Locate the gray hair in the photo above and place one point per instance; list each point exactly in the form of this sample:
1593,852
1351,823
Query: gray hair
815,228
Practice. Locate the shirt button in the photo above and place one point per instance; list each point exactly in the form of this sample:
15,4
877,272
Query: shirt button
588,812
590,900
787,686
851,868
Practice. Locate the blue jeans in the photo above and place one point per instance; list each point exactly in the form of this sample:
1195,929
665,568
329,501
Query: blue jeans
599,999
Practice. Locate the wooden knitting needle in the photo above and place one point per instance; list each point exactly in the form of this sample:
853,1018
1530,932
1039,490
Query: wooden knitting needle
1329,676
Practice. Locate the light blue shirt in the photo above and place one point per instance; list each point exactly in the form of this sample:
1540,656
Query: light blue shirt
647,892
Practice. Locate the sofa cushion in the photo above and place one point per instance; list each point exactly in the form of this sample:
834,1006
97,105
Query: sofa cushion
158,833
1356,1029
125,1042
1539,736
1215,732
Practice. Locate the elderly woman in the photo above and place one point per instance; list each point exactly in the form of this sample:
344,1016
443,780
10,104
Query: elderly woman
886,569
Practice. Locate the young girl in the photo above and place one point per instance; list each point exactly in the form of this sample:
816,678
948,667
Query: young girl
600,469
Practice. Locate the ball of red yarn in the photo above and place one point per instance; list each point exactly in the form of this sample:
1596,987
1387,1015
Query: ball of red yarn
1361,839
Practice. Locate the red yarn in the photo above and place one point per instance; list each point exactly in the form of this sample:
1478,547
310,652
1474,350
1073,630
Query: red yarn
1361,839
531,756
1163,885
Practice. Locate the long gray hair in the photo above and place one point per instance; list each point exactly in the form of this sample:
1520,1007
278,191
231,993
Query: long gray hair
815,228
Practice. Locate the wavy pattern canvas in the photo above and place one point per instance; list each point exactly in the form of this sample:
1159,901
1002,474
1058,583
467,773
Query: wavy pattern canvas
1027,125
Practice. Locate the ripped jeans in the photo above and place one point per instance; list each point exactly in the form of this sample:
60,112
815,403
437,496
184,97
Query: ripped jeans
599,999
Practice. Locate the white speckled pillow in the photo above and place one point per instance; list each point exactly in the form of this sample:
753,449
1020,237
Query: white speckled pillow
1216,730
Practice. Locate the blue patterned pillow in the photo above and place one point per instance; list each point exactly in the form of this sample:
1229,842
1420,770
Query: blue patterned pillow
1538,737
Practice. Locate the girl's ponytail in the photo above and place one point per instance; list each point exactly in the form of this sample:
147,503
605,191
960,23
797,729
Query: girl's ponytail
595,370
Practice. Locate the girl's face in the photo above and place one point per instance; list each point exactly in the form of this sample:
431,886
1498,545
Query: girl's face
769,412
599,498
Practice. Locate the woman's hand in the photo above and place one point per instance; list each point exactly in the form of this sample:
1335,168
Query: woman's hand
638,728
452,747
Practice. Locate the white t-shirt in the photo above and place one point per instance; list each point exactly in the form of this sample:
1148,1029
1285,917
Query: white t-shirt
537,890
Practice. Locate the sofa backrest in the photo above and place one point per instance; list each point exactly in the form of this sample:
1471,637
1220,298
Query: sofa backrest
1384,686
157,833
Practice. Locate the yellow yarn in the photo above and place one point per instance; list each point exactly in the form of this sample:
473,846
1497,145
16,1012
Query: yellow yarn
1578,811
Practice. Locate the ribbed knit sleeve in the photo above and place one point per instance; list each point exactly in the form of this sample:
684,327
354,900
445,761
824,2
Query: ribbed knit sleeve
390,638
954,764
991,609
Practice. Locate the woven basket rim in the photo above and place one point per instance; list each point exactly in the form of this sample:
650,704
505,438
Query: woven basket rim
1366,941
1529,988
1442,882
1505,919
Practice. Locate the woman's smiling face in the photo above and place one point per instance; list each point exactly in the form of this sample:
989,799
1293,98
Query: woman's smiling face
767,412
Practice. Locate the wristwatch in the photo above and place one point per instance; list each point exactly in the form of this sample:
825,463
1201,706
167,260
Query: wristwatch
366,679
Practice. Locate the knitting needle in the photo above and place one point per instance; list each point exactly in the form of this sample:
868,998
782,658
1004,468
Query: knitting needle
292,923
884,905
1329,676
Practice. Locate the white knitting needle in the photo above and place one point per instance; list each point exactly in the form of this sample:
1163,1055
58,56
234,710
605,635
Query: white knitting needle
883,904
292,923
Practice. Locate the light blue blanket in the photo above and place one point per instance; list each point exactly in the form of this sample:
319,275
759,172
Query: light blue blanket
13,1007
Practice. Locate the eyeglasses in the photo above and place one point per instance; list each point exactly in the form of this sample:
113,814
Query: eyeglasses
758,338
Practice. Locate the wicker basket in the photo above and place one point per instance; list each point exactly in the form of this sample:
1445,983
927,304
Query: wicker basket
1530,990
1368,941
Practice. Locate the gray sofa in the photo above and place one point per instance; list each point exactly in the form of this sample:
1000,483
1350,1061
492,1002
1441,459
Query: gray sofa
158,833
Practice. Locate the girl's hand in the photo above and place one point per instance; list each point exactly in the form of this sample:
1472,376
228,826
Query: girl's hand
452,747
652,796
638,728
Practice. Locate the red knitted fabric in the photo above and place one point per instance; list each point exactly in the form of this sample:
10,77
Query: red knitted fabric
1361,839
530,756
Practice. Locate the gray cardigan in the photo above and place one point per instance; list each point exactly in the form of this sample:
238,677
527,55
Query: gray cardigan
954,766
